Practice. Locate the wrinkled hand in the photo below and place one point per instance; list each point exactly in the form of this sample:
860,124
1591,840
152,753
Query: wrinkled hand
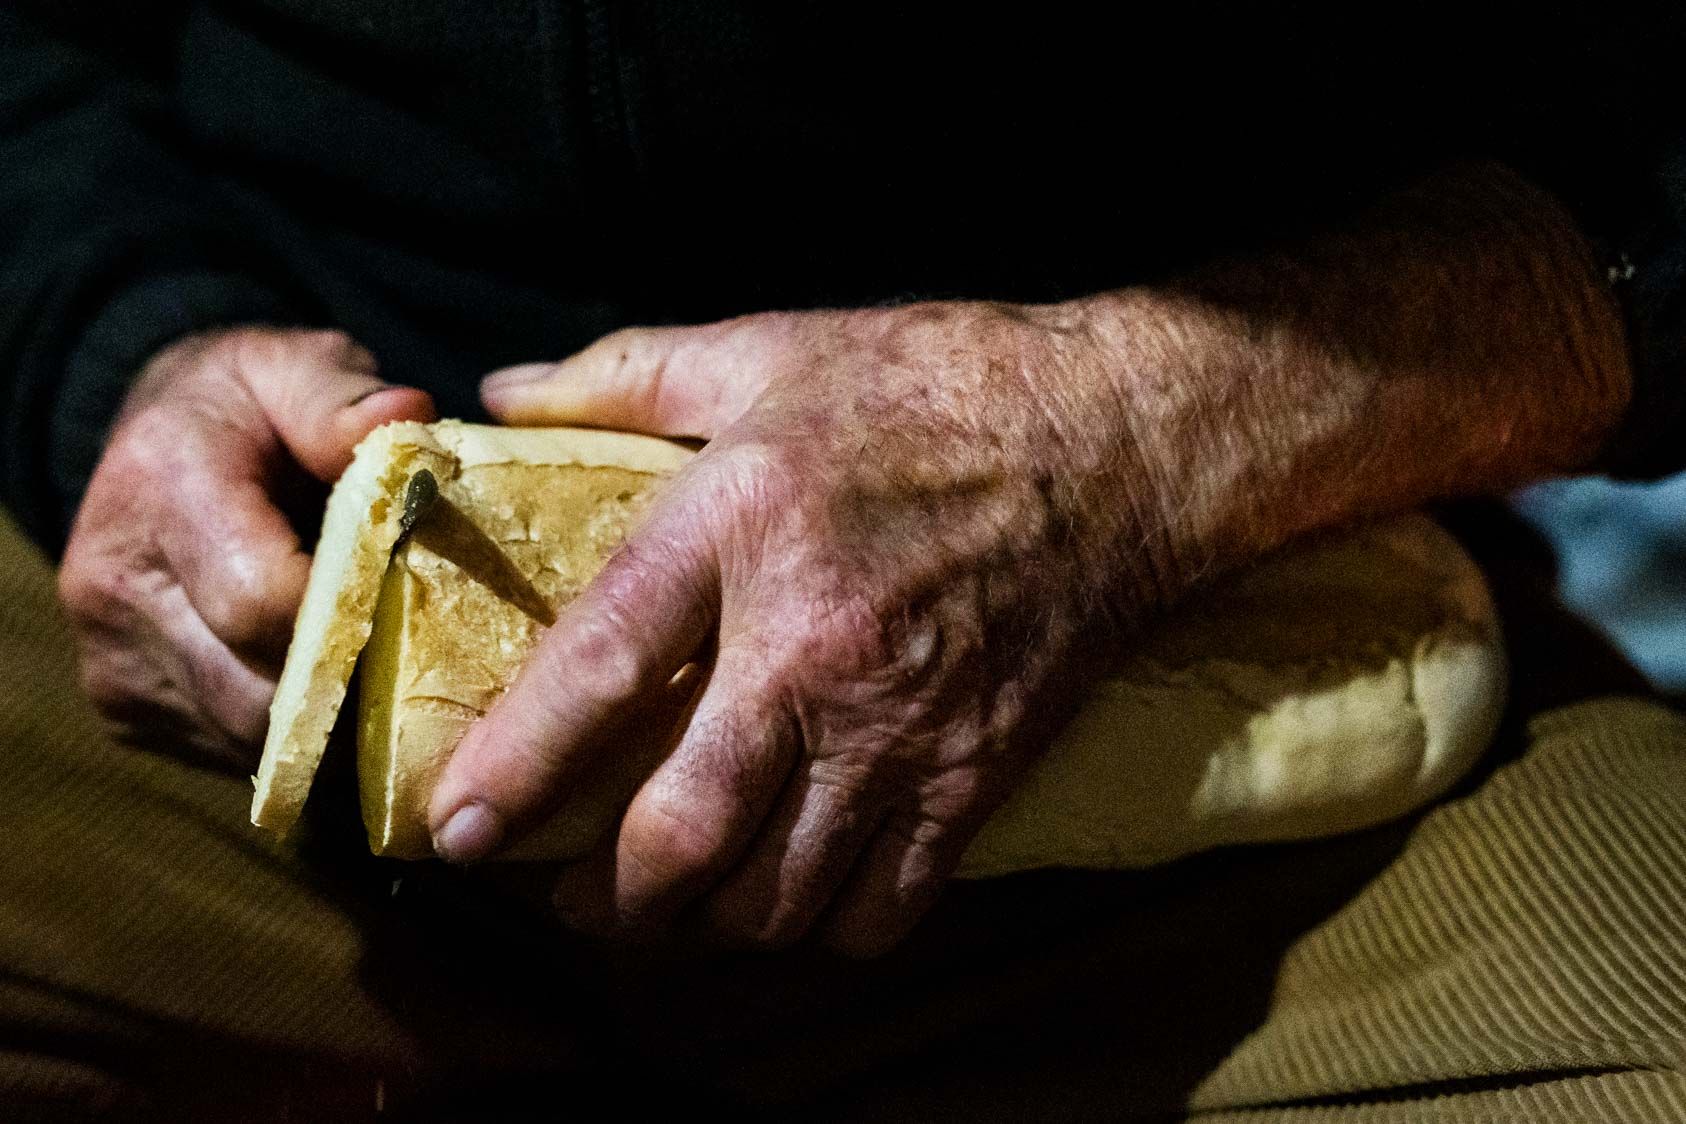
907,531
182,574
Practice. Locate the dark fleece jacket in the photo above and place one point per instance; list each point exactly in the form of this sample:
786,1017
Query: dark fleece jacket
467,183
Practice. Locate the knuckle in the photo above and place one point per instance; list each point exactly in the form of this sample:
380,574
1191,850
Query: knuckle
147,448
842,633
634,349
955,797
904,665
237,608
614,661
630,354
739,751
923,832
89,595
266,347
618,646
758,342
247,349
621,343
274,355
164,454
914,646
958,792
675,845
329,347
755,472
333,343
851,773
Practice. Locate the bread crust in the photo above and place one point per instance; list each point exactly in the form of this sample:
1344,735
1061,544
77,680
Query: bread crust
359,528
1341,683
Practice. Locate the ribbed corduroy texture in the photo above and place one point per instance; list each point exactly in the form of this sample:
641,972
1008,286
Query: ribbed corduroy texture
1518,954
158,953
1528,948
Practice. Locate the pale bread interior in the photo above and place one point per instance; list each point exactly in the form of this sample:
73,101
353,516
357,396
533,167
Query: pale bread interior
445,644
359,528
354,554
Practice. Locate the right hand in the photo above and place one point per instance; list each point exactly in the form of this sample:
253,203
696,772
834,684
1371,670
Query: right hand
182,575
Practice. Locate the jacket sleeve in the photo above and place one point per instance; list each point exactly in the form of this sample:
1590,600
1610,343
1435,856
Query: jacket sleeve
112,242
1644,252
1609,139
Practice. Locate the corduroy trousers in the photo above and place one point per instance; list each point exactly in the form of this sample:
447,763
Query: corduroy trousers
1516,952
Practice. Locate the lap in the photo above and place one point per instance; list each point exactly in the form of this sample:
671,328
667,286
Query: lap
155,948
1511,954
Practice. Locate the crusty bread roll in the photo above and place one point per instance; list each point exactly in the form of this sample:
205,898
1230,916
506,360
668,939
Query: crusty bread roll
358,532
1345,681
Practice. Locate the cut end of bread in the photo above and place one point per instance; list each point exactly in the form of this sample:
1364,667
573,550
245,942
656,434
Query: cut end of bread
447,642
359,529
489,472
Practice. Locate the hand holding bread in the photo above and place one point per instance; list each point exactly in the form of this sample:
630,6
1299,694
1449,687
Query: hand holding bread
888,592
182,574
909,538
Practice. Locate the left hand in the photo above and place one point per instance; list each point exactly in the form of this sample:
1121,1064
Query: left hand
909,532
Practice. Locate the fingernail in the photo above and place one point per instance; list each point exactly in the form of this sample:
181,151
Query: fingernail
516,376
472,833
368,394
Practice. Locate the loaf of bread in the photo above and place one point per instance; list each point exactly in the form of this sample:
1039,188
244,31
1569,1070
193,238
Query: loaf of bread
1345,681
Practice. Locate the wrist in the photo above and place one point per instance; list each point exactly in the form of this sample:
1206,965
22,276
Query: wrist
1369,373
1195,462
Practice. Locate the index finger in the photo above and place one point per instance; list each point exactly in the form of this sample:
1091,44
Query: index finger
610,652
240,562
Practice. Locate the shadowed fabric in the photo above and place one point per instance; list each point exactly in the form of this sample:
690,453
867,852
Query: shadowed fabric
1518,953
155,950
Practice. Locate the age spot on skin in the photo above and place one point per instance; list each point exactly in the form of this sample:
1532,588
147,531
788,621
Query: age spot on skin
921,645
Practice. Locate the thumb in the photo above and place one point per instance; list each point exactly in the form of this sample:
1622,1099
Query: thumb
674,382
321,395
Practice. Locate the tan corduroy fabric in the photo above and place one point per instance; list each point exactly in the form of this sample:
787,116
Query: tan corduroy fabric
1528,948
156,950
1518,953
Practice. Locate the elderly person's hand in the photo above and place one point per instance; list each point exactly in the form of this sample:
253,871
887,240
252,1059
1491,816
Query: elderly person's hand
182,574
916,530
907,525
